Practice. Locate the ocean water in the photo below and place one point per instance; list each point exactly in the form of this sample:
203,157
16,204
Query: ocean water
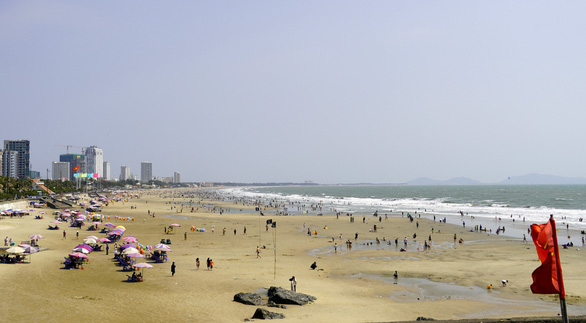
522,203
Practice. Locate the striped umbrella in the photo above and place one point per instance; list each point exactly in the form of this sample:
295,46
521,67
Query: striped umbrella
124,246
92,237
104,240
162,247
78,255
142,265
83,248
135,255
130,239
36,236
109,225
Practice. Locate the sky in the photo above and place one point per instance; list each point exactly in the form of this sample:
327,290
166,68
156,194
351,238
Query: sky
289,91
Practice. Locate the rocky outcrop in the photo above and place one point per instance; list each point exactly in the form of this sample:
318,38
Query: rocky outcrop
266,315
280,295
248,298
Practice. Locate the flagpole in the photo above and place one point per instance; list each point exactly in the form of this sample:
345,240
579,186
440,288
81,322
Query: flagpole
562,293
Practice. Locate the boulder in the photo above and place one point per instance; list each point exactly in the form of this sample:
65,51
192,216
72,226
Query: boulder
263,314
273,304
248,298
280,295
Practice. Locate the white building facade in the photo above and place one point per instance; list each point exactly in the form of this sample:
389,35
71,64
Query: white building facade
94,158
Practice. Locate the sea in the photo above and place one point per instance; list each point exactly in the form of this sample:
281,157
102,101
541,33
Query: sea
514,206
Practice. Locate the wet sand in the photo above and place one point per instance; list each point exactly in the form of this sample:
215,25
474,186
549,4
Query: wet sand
446,282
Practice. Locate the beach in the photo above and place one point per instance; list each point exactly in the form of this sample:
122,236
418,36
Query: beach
448,281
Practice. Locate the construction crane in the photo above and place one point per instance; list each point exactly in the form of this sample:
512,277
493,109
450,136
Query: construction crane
82,148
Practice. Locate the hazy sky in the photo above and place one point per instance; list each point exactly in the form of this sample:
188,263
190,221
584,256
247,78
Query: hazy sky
329,91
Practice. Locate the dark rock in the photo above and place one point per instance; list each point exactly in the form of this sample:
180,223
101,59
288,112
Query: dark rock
273,304
263,314
248,298
283,296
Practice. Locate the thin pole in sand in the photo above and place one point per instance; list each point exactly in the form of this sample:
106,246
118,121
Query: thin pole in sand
562,293
275,250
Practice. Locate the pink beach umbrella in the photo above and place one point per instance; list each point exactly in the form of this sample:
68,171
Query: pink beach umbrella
36,236
109,225
130,239
56,221
175,225
104,240
142,265
162,247
78,255
135,255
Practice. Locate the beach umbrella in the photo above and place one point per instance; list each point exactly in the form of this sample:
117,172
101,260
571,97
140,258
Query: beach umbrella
36,236
130,239
89,241
92,237
135,255
85,248
66,210
81,217
96,223
78,255
29,248
124,246
42,212
108,224
15,249
56,221
104,240
129,251
162,247
142,265
175,225
121,227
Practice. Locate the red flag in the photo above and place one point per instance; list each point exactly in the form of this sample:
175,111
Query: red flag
75,168
547,278
543,239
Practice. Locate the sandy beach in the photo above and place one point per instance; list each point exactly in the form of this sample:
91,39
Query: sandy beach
448,281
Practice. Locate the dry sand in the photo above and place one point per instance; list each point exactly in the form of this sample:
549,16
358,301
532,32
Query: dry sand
447,282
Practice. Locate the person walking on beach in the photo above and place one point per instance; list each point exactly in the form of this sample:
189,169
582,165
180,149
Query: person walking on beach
185,235
208,263
257,252
64,235
77,235
107,249
336,247
244,230
6,241
173,269
224,231
234,231
211,264
293,284
197,264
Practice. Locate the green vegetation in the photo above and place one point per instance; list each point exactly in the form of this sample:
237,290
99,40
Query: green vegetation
11,188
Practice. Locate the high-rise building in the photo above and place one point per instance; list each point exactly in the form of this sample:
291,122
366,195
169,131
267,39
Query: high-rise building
124,173
94,158
176,177
10,164
77,164
146,172
16,158
106,170
61,171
